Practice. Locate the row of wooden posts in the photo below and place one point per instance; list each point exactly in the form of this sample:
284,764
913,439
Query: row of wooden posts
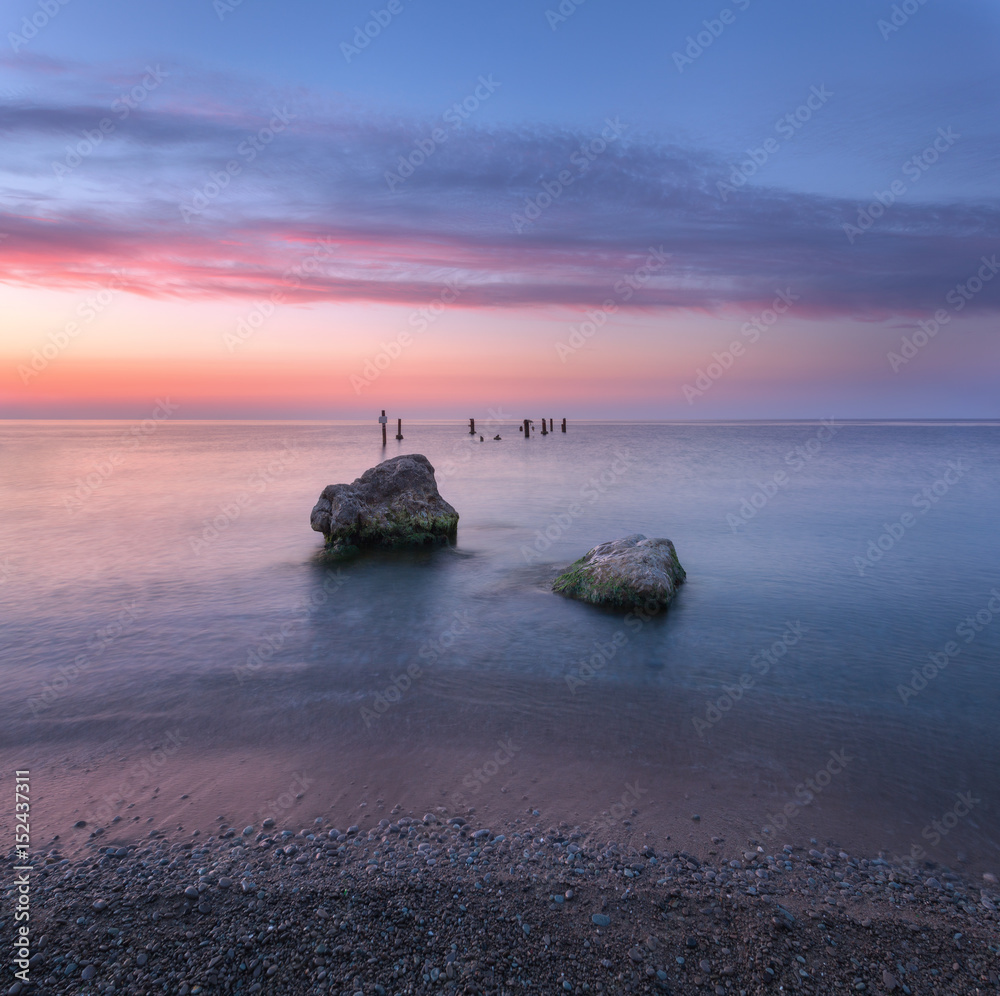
525,428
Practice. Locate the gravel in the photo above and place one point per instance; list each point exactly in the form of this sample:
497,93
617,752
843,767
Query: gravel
421,906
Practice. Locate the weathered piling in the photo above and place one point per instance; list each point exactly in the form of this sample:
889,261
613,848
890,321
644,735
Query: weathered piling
399,428
564,425
472,426
382,419
527,428
545,431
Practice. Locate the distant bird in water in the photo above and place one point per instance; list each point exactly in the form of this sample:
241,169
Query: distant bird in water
480,438
496,436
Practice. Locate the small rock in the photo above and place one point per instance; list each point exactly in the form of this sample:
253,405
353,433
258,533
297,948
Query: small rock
601,920
88,973
889,980
99,904
626,573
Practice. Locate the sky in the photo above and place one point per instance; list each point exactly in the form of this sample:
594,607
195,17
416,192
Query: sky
766,209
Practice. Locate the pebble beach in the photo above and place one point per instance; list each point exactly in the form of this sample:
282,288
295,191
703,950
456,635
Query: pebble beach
443,904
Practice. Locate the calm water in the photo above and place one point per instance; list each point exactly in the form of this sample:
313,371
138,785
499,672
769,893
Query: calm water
171,578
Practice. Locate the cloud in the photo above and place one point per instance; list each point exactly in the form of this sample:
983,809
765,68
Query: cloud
199,199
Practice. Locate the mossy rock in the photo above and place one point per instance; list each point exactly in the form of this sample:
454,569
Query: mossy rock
395,504
629,573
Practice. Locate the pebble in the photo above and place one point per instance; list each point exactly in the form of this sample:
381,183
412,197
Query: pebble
385,906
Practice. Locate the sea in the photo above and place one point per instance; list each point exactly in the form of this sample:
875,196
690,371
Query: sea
829,669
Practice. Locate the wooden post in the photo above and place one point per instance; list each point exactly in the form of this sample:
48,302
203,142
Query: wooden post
472,426
527,428
383,420
564,425
399,428
545,431
550,426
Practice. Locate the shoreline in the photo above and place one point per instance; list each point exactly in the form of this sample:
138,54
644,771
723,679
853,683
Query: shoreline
669,806
502,908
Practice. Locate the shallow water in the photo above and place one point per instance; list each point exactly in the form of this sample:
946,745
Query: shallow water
170,580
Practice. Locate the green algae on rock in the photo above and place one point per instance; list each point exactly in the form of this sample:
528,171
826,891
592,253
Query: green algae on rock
626,573
394,504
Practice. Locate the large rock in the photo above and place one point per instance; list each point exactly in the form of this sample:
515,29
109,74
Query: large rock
394,504
632,572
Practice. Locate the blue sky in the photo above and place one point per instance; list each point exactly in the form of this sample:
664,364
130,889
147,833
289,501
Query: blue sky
747,160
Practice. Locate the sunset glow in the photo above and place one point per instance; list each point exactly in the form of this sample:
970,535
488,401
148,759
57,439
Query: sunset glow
253,242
